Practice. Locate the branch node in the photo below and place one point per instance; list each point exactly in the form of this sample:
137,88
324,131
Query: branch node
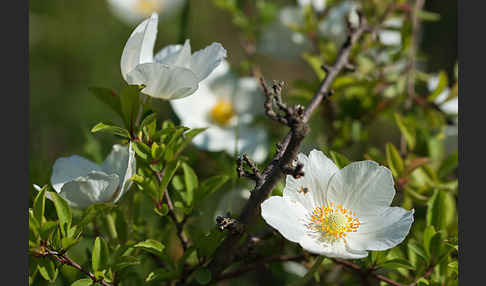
253,173
231,224
295,171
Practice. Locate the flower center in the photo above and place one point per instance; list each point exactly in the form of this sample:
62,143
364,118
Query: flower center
222,112
333,221
146,6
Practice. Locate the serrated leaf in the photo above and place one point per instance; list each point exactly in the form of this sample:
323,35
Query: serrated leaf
39,205
101,127
108,97
63,212
83,282
47,269
203,276
394,160
100,255
150,245
406,129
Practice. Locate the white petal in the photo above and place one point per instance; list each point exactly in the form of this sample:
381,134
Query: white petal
140,45
168,55
284,216
248,98
194,110
216,139
305,189
122,162
363,187
203,62
162,81
252,141
95,187
322,168
451,106
220,71
382,232
337,249
390,38
69,168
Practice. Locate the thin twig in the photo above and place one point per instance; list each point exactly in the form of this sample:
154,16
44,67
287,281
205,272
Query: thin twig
61,257
287,152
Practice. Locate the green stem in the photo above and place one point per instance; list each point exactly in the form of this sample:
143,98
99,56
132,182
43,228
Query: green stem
310,274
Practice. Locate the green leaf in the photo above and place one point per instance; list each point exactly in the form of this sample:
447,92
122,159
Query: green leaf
101,127
439,209
67,242
395,162
100,255
315,62
148,120
436,246
170,170
150,245
108,97
210,185
428,16
63,212
397,263
188,139
156,151
83,282
130,102
419,250
340,160
428,234
142,150
203,276
164,210
161,275
191,182
448,165
39,204
47,269
124,262
443,83
407,130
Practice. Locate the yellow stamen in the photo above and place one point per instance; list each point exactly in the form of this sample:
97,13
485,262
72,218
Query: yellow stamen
146,7
222,112
334,222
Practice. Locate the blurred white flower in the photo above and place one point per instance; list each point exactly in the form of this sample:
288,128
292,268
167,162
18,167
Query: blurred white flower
134,11
333,26
450,107
318,5
390,35
226,105
339,213
279,40
82,182
173,72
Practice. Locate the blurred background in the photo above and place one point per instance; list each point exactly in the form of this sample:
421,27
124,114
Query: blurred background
74,45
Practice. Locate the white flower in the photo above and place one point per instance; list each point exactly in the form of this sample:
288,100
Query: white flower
134,11
339,213
390,36
318,5
173,72
450,106
82,183
226,105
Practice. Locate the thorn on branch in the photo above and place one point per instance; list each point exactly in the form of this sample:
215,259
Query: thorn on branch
295,171
231,224
253,173
287,115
